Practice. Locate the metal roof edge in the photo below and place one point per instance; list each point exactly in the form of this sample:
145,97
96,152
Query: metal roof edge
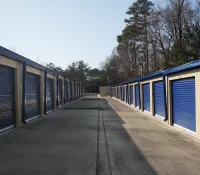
126,82
182,67
17,57
154,74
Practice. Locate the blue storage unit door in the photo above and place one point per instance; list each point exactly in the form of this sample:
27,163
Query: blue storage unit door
137,96
120,92
49,95
159,99
59,92
184,103
32,96
125,93
66,91
146,96
131,95
7,98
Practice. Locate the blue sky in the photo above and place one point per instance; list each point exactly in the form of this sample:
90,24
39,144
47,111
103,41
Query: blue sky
62,31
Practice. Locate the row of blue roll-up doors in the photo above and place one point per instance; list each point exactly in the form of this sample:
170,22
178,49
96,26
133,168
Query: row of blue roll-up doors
183,101
158,97
32,97
124,93
134,91
158,93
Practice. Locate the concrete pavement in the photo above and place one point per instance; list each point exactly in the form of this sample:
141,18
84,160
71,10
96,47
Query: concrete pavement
97,137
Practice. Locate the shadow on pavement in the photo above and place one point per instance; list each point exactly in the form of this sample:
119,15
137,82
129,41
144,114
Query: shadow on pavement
117,152
86,137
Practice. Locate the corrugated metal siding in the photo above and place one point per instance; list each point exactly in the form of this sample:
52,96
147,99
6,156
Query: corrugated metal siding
146,96
49,95
59,92
7,98
159,98
137,96
131,95
184,103
32,96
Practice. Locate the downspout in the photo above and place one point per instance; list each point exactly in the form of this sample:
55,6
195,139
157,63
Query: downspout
139,94
165,99
24,93
45,92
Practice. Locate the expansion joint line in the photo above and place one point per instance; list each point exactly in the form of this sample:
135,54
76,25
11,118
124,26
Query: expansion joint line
97,159
107,148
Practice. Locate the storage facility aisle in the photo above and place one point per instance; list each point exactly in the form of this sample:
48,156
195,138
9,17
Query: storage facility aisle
96,136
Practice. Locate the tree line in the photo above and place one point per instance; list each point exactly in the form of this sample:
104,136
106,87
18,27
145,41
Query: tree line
80,71
154,38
